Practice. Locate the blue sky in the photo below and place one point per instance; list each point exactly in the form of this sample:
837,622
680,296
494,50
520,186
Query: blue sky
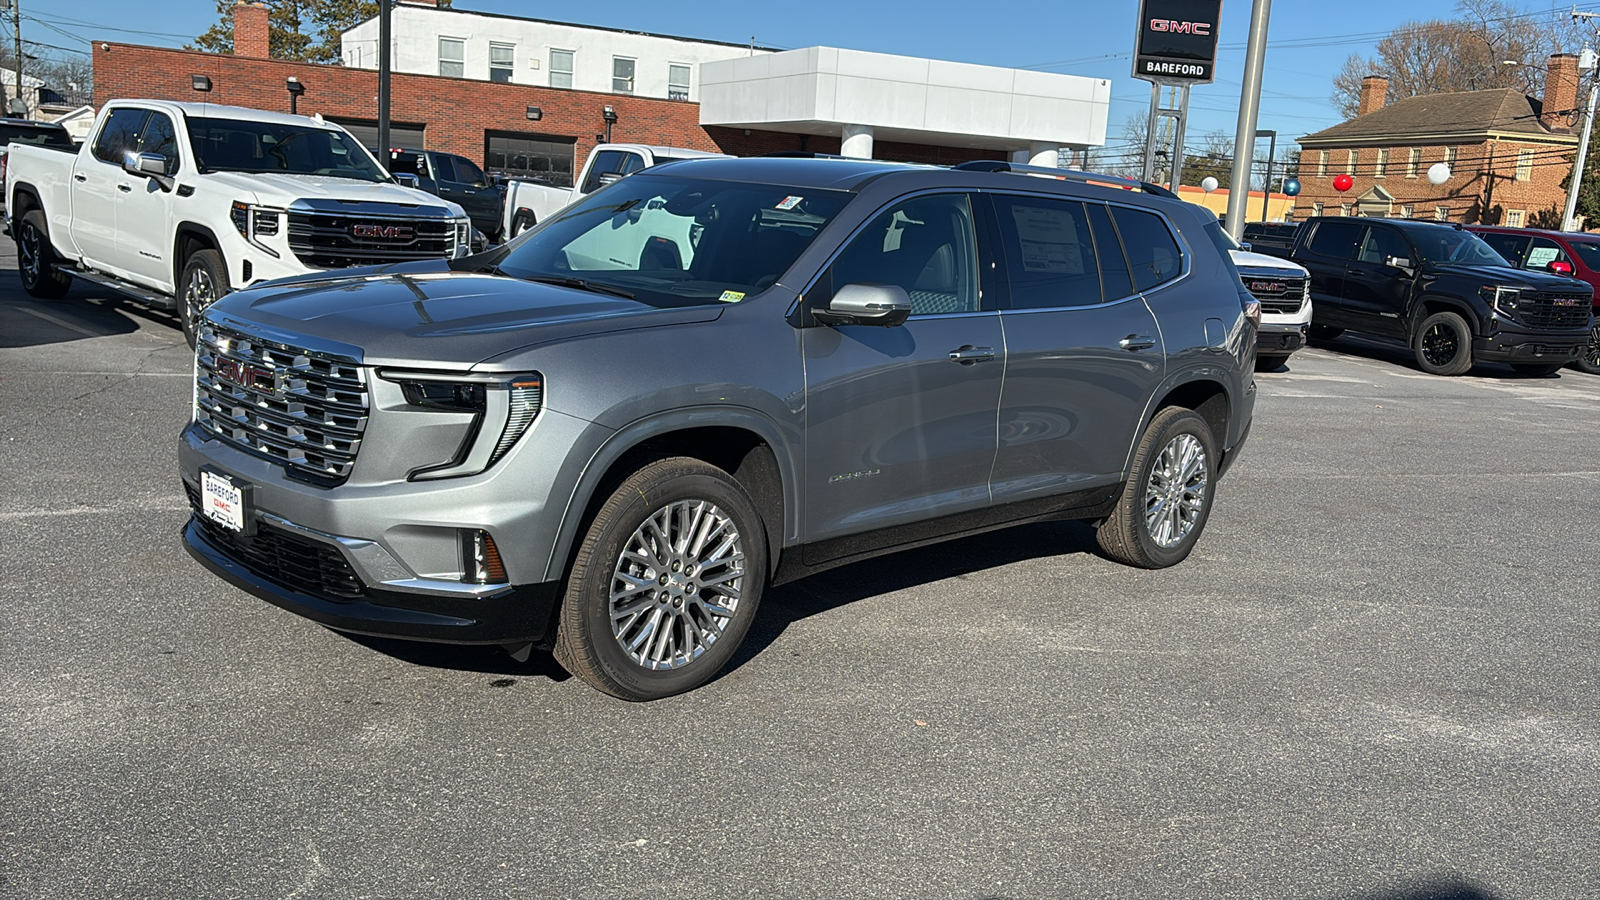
1308,41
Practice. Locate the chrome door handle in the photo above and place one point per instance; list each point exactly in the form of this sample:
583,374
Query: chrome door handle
969,354
78,176
125,189
1134,342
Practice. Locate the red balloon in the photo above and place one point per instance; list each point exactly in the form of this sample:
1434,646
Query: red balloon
1342,183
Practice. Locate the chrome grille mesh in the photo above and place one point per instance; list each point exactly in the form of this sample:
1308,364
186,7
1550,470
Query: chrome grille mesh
299,408
1278,293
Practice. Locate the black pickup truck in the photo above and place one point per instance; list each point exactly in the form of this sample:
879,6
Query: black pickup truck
1443,291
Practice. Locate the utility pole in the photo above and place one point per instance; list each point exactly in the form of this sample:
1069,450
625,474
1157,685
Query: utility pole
383,83
1569,218
16,31
1249,104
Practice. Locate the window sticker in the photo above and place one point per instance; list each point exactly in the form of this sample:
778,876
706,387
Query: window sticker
1049,240
789,202
731,296
1539,257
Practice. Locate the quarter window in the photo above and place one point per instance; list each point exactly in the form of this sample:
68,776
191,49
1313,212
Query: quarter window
924,245
1153,254
502,60
452,57
561,68
1050,252
622,74
119,134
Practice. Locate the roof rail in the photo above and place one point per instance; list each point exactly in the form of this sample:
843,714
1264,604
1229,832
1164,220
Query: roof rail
995,165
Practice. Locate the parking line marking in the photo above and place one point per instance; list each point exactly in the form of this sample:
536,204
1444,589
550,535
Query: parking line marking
88,511
62,322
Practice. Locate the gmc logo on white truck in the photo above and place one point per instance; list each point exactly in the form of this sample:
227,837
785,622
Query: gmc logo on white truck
383,232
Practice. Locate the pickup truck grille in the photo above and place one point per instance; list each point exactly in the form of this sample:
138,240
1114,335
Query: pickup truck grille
1553,309
1277,295
329,241
299,408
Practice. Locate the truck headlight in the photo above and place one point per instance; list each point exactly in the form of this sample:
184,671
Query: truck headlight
502,410
1502,299
255,222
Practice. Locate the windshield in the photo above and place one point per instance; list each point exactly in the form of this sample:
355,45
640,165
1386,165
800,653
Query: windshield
676,241
1447,245
236,145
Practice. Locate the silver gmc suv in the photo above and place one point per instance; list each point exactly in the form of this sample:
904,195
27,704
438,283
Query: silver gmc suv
610,436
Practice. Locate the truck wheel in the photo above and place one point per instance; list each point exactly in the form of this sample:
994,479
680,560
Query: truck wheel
1443,344
1590,360
521,222
1167,498
36,260
204,282
1537,370
665,584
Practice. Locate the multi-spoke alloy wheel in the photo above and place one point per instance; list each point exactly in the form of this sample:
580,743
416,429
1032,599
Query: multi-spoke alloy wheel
676,585
665,582
1590,360
205,281
1175,494
36,264
1439,345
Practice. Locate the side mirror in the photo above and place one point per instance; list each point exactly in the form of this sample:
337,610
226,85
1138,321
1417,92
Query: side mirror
145,164
1560,267
408,179
1398,262
866,304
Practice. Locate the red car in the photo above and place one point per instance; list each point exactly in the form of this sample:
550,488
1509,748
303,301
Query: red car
1573,254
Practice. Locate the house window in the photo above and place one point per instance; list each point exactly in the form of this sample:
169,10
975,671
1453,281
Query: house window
1413,160
1344,209
1514,218
622,75
677,82
1350,162
452,57
535,157
1322,165
1524,165
561,68
1441,213
355,58
1316,208
1382,169
502,58
1407,211
1450,158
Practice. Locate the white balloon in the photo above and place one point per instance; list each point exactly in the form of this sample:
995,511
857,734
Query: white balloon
1208,184
1438,173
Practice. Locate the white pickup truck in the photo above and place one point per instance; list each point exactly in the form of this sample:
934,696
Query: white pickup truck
176,204
527,203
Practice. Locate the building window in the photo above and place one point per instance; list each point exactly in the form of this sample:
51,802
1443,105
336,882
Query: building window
355,58
1524,165
1407,211
1344,209
1322,165
677,82
1450,158
1514,218
453,57
1441,213
1316,208
1382,169
535,157
1350,162
622,75
1413,160
502,59
561,68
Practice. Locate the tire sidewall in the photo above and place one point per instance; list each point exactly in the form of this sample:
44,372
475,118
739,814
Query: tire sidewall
1459,363
210,261
44,282
590,589
1590,360
1187,422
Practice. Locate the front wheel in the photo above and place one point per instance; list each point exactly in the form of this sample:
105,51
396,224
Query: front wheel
665,584
204,282
36,260
1590,360
1167,499
1443,344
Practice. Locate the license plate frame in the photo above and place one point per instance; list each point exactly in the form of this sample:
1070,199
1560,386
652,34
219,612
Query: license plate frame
225,500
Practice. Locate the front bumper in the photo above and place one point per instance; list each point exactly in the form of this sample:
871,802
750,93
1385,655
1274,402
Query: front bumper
1273,339
1516,345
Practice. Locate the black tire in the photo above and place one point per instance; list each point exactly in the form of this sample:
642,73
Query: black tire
1266,362
41,277
662,583
1325,332
1590,360
1443,344
1126,535
521,222
204,282
1537,370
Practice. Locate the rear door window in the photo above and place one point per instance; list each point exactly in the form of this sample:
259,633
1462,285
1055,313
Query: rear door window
1116,280
1153,254
119,134
1336,239
1050,255
444,168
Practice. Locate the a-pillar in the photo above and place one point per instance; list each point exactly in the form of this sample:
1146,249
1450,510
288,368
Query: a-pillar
857,143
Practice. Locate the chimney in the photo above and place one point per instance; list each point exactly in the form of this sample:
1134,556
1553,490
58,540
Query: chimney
1374,92
1560,93
251,30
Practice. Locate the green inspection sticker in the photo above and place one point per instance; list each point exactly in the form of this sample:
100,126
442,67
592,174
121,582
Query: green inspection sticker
731,296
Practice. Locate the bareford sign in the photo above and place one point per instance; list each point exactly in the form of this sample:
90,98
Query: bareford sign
1176,41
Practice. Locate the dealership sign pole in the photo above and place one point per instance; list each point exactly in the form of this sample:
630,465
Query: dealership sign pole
1175,45
1244,142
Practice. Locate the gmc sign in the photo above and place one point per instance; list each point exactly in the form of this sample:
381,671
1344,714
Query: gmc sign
1176,41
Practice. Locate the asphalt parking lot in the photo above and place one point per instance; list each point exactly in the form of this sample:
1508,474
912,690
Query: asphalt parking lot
1377,677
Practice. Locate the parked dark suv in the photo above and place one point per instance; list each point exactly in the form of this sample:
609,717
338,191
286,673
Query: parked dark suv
457,178
1559,253
611,435
1443,291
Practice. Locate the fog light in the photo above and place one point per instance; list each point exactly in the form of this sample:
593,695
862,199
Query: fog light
483,559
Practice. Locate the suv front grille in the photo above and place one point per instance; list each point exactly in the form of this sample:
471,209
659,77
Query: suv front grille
305,565
329,241
1277,295
1553,309
299,408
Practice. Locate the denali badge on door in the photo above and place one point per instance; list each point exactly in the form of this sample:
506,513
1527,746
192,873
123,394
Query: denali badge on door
222,501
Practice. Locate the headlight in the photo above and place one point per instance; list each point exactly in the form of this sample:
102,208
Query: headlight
255,222
1502,299
502,409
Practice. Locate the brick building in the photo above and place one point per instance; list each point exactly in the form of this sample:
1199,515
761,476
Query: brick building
1507,153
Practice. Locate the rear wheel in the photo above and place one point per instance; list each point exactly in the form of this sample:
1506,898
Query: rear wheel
1443,344
204,282
1590,360
1538,370
36,260
1167,499
665,584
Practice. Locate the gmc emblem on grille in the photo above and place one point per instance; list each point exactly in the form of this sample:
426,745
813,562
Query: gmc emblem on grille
383,232
247,376
1268,287
1569,301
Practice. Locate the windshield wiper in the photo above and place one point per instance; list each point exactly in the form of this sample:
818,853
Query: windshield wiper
582,285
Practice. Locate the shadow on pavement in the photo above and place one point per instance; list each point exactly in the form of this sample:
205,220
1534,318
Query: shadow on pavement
84,314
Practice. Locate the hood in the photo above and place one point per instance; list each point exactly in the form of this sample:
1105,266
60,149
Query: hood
1244,259
275,189
427,315
1509,277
